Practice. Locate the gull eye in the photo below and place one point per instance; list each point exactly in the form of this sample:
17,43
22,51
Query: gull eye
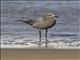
49,15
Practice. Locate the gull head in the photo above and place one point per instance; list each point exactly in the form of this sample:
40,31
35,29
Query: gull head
50,15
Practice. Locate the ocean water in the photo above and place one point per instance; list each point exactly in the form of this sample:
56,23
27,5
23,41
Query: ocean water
65,34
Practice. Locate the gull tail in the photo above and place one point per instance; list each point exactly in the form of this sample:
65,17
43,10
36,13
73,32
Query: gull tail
30,22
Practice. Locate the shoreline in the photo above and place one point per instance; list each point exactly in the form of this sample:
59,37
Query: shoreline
40,54
45,48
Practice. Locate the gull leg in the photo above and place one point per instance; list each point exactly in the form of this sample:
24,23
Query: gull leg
39,38
46,38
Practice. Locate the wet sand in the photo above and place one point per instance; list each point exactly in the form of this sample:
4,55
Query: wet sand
40,54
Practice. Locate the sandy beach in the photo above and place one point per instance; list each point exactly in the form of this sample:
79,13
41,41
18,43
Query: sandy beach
40,54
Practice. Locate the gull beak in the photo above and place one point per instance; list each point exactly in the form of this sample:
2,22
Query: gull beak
56,16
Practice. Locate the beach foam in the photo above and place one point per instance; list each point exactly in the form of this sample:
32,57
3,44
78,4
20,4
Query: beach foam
55,43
